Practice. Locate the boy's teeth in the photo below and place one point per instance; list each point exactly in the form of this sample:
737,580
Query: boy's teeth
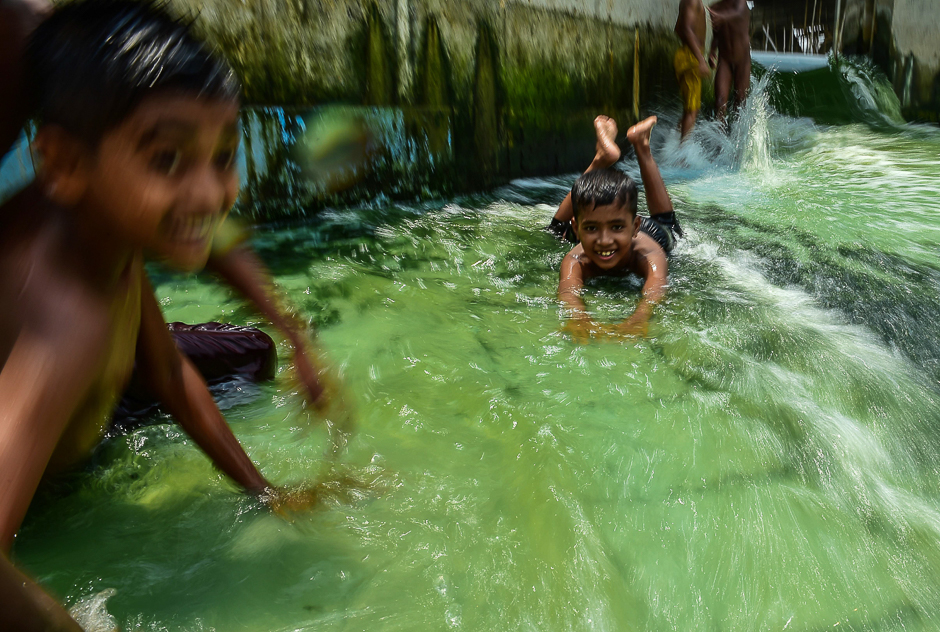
194,228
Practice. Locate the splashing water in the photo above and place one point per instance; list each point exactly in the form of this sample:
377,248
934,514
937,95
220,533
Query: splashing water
766,459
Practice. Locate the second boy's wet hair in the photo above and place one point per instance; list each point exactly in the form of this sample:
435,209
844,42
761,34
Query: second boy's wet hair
602,187
92,62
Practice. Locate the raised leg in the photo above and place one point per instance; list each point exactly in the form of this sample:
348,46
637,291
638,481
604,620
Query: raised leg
607,154
657,198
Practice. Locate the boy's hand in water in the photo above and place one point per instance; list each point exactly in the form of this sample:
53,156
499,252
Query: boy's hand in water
333,487
310,378
632,329
582,330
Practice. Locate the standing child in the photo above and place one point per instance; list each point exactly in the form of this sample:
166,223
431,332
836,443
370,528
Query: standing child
689,61
617,241
136,144
731,24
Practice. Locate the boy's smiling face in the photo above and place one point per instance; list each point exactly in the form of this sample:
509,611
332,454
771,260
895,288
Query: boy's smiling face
606,233
164,178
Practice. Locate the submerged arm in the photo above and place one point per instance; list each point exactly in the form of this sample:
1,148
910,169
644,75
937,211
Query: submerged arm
26,608
570,284
181,389
654,268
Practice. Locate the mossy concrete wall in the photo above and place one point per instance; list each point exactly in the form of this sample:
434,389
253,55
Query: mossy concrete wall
500,88
903,37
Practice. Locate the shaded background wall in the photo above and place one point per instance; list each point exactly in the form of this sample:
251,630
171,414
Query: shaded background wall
458,95
901,36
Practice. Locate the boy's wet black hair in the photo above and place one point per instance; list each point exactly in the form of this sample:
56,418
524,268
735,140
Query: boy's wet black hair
602,187
91,63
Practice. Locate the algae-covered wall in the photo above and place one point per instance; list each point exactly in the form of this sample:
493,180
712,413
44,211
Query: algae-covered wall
903,37
916,30
492,89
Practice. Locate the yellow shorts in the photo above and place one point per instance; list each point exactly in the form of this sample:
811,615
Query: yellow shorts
690,82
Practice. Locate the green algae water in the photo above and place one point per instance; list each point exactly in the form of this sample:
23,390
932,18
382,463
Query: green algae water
768,459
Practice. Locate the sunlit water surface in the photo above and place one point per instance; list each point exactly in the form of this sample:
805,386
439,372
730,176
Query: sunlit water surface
768,459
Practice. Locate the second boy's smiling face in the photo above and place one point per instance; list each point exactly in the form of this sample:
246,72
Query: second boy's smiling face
164,178
606,233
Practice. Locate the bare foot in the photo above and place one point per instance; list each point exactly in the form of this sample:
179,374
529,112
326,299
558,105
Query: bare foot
607,151
639,134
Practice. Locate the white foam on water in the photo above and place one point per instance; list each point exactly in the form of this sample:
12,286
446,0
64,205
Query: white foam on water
91,613
871,471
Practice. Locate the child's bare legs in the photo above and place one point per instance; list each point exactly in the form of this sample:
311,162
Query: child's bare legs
607,154
657,198
687,122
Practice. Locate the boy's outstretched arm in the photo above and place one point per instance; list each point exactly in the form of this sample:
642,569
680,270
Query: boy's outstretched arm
570,284
654,269
181,389
241,268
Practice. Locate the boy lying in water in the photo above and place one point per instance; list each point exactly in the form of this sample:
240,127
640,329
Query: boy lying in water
137,141
602,209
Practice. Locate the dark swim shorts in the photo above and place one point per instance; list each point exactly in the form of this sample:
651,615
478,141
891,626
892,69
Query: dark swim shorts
664,229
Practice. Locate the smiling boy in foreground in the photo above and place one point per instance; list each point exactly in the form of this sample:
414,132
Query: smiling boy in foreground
614,239
137,141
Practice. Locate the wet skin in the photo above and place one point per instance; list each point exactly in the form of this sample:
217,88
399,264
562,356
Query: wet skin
611,244
76,309
731,21
690,28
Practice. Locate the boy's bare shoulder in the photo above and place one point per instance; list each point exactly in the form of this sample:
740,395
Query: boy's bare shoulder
577,263
41,291
648,256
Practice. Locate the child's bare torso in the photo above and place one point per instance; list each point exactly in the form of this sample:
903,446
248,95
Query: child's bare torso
637,264
692,14
732,20
44,291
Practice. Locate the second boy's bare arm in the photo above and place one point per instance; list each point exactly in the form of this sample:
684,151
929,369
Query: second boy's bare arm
649,263
241,268
652,266
181,389
571,283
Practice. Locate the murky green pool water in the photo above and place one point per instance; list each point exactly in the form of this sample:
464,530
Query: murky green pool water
769,459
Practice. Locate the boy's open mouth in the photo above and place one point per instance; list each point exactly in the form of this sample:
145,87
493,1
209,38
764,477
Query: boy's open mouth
605,254
193,228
